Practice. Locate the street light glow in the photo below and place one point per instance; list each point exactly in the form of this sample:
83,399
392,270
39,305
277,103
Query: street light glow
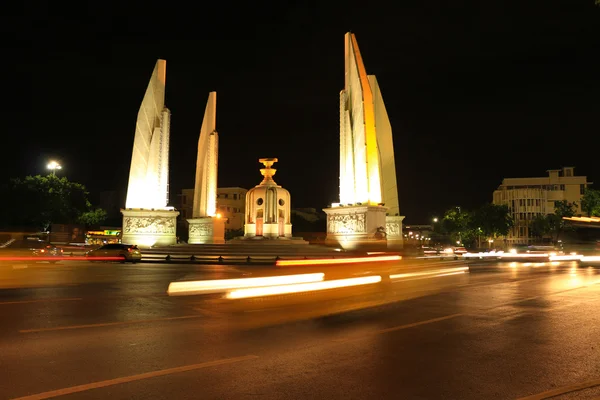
53,165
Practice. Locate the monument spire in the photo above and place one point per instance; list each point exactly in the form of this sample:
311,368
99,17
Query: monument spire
205,189
206,224
147,218
149,172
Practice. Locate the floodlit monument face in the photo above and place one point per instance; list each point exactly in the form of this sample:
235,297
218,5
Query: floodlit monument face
268,207
206,226
149,173
368,210
147,220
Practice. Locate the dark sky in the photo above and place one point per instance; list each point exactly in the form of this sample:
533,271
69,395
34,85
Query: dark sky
476,91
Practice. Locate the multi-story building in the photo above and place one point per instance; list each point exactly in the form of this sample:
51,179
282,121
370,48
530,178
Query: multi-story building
231,204
528,197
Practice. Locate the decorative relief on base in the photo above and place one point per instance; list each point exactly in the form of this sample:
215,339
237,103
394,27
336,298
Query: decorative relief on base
349,223
392,229
205,229
158,225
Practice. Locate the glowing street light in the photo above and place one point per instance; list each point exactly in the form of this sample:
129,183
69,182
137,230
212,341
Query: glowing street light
435,220
53,165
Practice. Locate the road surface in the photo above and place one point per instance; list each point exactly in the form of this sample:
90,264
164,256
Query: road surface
109,330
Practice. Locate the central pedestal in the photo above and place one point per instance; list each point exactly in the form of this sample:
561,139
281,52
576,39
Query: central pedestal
147,228
206,230
357,227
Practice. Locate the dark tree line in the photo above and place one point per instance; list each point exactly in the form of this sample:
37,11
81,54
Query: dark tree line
38,201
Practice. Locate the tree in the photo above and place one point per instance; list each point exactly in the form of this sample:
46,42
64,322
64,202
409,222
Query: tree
491,221
456,223
556,223
94,217
539,226
590,202
37,201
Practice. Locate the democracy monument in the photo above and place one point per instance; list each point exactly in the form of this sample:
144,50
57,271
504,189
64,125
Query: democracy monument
368,211
147,220
366,215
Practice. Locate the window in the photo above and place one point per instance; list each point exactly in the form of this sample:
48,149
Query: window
226,196
228,209
235,196
582,188
562,187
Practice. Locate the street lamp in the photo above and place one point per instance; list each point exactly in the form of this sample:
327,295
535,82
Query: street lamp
53,165
435,220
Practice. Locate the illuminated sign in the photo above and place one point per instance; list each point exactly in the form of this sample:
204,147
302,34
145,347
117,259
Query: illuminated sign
104,233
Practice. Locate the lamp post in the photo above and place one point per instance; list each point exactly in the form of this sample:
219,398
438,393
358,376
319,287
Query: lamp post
53,165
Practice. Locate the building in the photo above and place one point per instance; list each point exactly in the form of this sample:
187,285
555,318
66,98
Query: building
528,197
231,204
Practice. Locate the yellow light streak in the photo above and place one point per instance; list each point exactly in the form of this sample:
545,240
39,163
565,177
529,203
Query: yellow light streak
222,285
437,272
301,287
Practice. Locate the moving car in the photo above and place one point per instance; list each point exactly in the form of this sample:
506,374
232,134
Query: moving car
34,247
128,252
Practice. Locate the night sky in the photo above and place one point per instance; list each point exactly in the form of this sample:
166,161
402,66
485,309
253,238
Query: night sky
476,91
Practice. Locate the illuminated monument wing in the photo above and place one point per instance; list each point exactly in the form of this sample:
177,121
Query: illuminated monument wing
146,218
368,210
206,225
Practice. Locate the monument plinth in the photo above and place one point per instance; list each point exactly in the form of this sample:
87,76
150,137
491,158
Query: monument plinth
353,227
206,230
368,211
268,209
393,230
147,220
148,228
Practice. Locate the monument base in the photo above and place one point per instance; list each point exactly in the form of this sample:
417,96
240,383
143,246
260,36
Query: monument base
206,230
149,227
393,230
268,231
357,227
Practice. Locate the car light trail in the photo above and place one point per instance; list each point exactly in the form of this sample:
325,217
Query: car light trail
72,258
432,274
301,287
221,285
329,261
569,257
591,258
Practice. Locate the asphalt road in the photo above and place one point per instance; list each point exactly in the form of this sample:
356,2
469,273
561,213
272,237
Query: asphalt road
108,330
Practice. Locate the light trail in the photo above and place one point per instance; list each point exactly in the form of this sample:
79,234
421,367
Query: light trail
301,287
432,274
67,258
221,285
330,261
